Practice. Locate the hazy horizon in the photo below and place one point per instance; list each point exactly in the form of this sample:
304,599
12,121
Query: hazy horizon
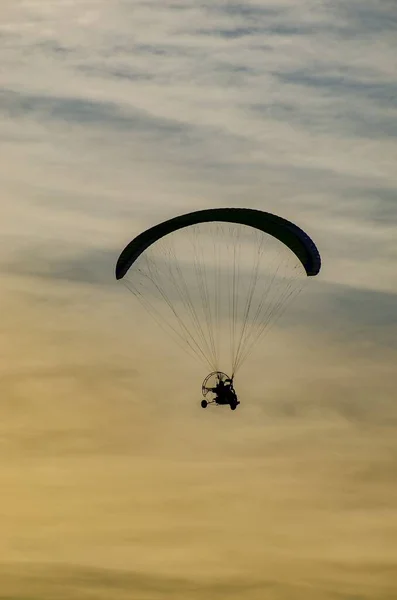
114,482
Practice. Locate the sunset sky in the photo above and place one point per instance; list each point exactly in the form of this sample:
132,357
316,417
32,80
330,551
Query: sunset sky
114,483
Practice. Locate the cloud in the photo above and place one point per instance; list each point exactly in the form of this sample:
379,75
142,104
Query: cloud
51,581
357,311
80,111
368,17
113,117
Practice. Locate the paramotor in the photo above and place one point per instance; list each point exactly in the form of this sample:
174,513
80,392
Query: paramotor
217,279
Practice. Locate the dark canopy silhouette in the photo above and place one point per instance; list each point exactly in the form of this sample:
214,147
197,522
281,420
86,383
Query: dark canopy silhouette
217,279
290,234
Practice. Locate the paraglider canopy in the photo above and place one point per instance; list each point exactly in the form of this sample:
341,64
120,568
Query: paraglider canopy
216,279
285,231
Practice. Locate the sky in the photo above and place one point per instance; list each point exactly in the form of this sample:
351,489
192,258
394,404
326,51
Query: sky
114,483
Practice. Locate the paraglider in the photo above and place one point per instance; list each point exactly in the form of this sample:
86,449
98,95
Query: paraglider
216,280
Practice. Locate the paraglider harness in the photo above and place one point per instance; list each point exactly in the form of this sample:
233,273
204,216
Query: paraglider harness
217,388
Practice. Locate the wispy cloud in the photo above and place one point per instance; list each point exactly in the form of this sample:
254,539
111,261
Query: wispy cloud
113,117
